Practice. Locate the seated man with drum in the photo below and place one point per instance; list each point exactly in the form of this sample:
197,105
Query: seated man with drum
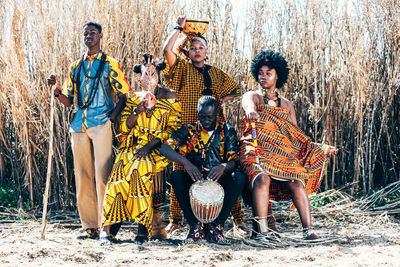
211,150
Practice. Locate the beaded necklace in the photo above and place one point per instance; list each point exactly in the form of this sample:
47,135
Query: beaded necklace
96,78
271,102
205,147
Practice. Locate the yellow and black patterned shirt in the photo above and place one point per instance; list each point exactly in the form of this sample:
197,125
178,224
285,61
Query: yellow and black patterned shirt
188,82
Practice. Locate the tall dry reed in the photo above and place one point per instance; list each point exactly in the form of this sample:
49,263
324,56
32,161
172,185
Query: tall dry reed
344,60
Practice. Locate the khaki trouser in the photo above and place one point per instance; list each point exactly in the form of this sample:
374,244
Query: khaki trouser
92,162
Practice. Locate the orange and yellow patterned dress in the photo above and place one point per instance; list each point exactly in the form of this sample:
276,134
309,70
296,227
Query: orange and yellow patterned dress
129,192
284,153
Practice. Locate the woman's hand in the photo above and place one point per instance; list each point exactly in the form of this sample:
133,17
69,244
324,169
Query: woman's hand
252,116
331,151
143,152
141,107
181,21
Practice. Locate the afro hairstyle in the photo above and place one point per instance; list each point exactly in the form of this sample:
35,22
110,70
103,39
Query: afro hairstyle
273,60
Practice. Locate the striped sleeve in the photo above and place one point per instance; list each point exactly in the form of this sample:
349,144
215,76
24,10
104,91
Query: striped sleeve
118,81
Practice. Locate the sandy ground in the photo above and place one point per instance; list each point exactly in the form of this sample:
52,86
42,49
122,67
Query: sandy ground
348,240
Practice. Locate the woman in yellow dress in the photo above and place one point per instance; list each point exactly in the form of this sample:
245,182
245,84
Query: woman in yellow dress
149,118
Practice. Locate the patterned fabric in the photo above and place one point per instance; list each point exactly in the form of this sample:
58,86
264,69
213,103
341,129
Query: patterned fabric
285,152
188,139
112,80
130,189
175,211
237,212
188,82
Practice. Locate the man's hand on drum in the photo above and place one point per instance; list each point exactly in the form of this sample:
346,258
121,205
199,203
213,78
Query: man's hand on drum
193,171
252,116
216,172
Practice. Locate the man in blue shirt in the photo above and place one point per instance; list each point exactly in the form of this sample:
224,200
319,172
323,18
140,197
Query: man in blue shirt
94,80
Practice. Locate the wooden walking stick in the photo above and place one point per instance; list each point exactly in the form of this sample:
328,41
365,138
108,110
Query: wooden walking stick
49,163
51,139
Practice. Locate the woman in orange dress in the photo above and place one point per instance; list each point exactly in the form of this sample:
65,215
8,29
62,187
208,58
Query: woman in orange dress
281,161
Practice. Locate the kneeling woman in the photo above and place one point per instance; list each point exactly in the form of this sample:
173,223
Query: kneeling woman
149,118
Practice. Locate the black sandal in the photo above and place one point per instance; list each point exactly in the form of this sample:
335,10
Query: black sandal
140,239
215,235
196,233
90,233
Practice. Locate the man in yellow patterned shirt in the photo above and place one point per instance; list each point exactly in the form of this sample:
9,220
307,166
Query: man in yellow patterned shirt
94,80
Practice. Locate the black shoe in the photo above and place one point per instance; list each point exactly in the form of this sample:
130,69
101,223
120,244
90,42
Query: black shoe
215,235
196,233
142,235
140,239
90,233
107,240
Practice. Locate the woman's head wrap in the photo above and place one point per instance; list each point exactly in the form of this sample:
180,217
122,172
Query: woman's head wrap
184,47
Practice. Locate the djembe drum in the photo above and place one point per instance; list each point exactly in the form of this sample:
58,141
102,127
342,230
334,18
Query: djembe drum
206,200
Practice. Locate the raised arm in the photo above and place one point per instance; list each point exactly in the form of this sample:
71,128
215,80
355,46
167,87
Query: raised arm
169,44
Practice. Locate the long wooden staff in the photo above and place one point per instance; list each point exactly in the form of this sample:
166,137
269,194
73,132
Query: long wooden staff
51,152
49,164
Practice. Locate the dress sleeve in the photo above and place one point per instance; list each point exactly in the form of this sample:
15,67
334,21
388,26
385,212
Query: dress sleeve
173,75
231,144
229,86
117,79
130,106
173,123
69,88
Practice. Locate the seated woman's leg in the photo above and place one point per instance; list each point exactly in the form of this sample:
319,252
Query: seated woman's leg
302,204
260,195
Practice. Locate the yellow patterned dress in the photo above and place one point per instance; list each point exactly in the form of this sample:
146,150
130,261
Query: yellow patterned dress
129,189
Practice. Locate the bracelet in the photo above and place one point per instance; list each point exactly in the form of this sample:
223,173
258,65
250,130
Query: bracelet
177,27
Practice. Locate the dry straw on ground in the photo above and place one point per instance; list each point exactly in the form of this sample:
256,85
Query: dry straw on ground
344,59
